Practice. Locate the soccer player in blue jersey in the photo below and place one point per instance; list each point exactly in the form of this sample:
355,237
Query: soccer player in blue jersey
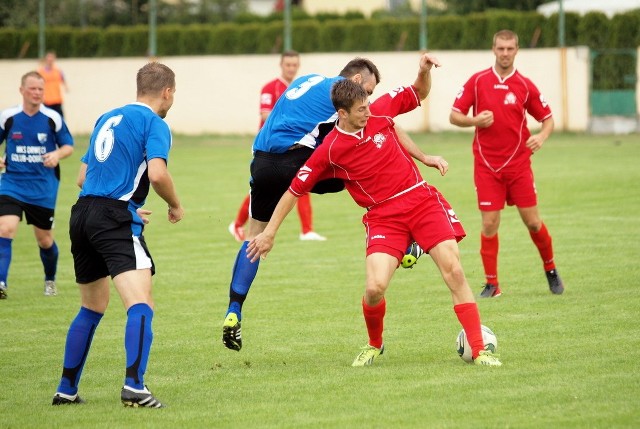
127,154
299,120
37,139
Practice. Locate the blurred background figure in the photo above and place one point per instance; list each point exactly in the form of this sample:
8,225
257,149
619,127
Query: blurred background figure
54,82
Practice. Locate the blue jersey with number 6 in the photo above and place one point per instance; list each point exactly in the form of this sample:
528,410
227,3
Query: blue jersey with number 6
122,143
298,114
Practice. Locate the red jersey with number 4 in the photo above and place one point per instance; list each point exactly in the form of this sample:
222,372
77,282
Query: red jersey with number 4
372,162
503,143
270,94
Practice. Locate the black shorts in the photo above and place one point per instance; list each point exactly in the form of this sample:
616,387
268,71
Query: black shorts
37,216
102,242
271,175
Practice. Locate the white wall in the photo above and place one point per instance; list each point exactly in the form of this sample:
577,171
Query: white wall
313,7
220,94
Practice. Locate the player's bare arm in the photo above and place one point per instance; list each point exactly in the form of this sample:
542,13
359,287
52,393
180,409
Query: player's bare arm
536,141
163,185
483,119
423,80
415,152
82,175
262,243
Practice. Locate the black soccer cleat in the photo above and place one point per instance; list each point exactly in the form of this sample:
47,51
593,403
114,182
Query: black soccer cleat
490,291
136,398
3,290
555,282
62,399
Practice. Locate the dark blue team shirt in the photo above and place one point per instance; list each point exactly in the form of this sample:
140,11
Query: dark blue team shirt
29,137
122,143
298,113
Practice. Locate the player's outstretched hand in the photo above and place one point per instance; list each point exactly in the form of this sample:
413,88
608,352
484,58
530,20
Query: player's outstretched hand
438,162
259,246
427,61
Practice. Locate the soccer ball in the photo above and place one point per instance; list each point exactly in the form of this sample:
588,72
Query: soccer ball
464,349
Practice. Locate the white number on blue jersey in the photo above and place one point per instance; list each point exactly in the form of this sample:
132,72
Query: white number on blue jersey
105,140
300,90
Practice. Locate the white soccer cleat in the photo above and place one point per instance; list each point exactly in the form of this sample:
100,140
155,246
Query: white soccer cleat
312,236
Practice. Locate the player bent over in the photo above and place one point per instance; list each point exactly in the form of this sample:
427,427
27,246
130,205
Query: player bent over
364,150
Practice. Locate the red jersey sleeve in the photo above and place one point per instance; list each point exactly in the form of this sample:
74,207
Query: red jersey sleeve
315,169
537,106
395,102
465,98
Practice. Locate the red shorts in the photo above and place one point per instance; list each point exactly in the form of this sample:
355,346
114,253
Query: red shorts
511,185
422,215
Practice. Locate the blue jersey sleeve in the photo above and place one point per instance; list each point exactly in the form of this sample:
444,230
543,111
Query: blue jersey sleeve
159,140
297,114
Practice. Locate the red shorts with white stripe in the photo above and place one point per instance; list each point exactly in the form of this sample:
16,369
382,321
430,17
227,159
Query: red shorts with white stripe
422,215
513,185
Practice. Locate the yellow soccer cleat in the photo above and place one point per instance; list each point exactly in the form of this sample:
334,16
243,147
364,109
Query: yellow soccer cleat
367,355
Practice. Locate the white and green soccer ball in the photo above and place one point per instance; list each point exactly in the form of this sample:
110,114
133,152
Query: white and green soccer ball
464,349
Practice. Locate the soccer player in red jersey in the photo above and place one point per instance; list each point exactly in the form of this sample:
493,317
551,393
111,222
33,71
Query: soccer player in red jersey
380,174
502,147
289,64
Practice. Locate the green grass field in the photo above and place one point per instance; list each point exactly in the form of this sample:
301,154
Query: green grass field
570,361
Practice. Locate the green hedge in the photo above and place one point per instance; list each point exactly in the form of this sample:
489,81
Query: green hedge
613,40
329,34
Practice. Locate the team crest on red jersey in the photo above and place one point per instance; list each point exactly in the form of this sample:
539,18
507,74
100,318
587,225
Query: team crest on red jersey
379,139
510,98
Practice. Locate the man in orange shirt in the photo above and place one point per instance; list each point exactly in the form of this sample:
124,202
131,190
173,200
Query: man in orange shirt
53,83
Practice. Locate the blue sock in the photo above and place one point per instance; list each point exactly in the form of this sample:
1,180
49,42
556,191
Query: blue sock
244,272
49,259
138,337
76,349
5,258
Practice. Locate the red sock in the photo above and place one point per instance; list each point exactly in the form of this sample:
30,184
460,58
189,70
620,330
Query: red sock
374,319
543,242
489,253
469,318
305,213
243,213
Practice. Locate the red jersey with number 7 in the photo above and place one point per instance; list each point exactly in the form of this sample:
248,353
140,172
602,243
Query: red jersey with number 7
510,98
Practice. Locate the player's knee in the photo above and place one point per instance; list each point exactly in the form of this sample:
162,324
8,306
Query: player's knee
453,275
534,225
375,292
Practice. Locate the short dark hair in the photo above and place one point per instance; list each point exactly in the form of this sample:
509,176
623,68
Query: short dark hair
362,66
345,92
153,78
